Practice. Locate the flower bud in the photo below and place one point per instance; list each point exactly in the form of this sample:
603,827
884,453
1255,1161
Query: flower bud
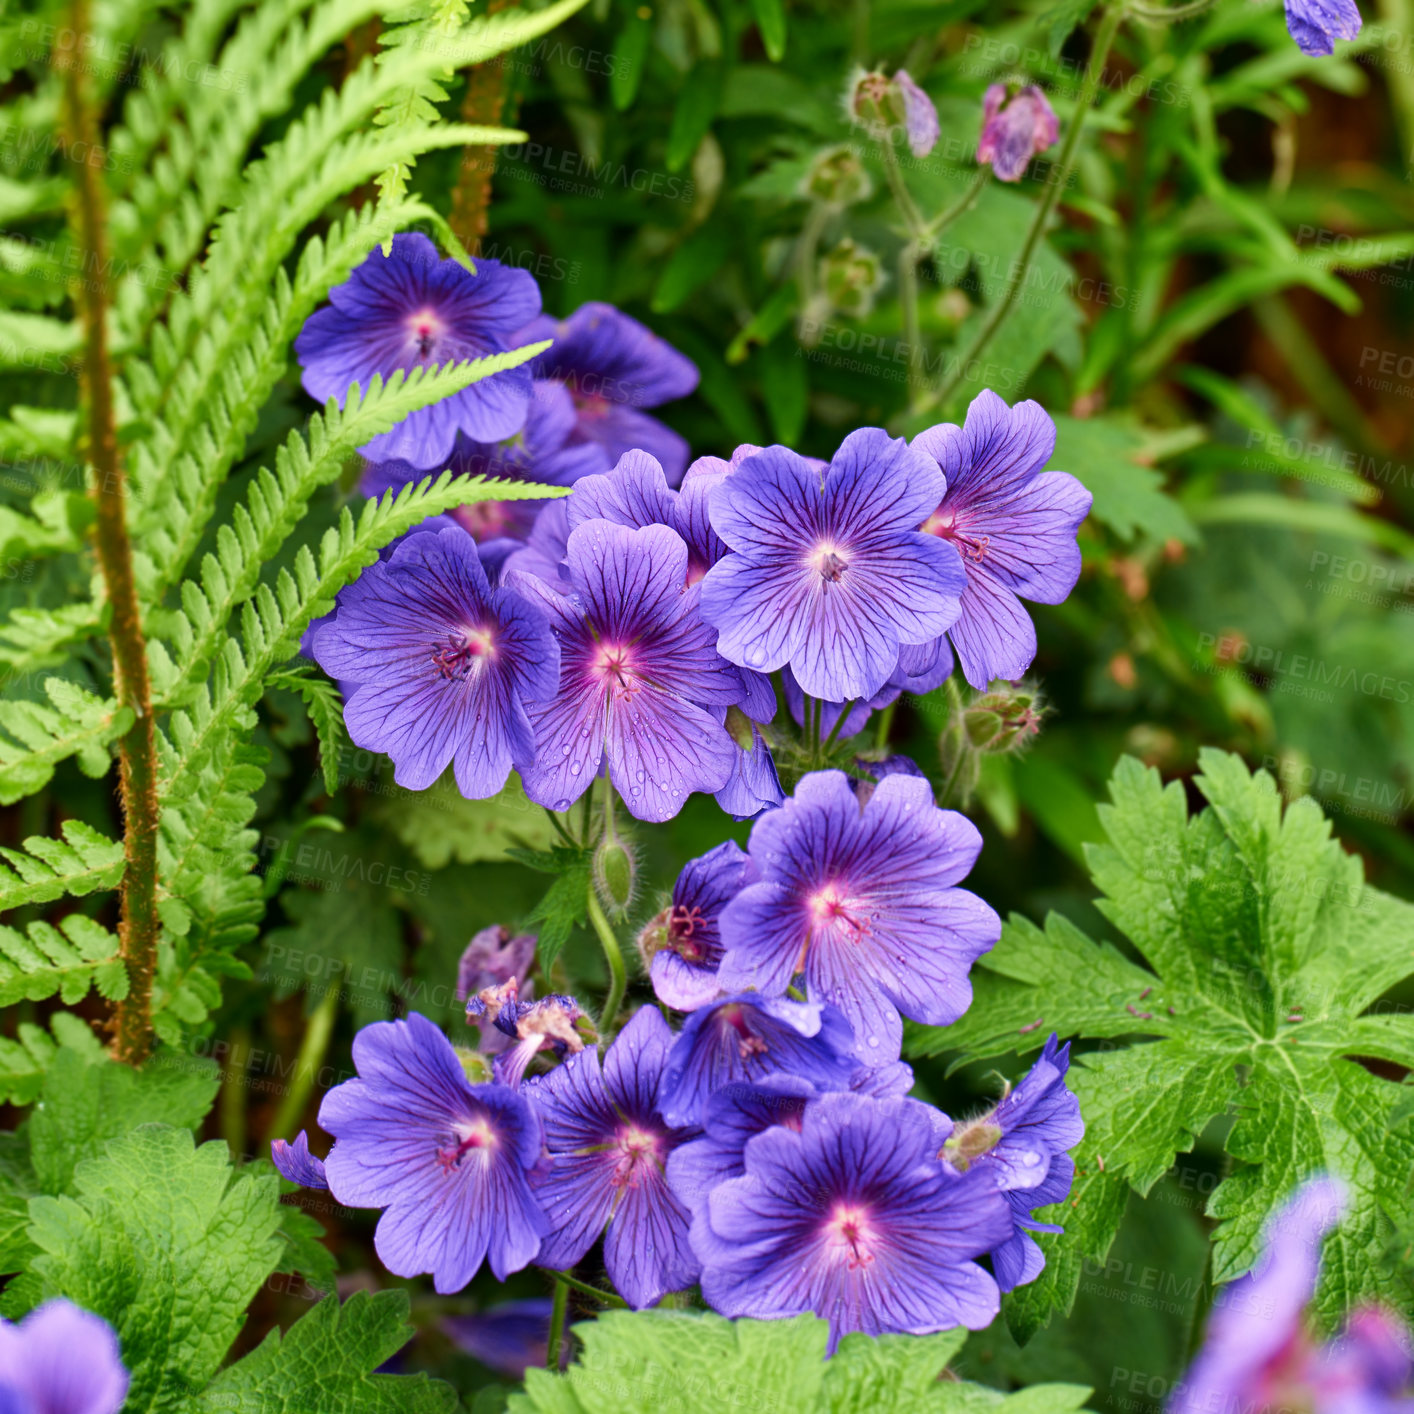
615,873
837,177
1005,720
882,104
969,1142
476,1066
654,936
851,276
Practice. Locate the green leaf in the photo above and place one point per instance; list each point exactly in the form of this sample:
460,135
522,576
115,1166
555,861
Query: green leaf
771,21
325,1362
698,101
630,57
1262,946
43,960
440,825
657,1362
325,705
1062,19
565,905
78,724
168,1244
86,1101
24,1060
47,869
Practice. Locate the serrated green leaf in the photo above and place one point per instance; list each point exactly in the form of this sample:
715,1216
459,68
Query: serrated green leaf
1263,946
440,825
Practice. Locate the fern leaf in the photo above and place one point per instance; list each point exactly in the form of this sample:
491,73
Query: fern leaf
43,960
45,869
325,705
78,724
24,1061
32,639
276,502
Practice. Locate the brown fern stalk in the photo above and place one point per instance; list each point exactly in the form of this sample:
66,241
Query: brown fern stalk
137,750
483,103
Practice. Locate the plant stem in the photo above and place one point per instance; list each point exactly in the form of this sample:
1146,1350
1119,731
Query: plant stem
586,1289
618,980
137,753
233,1096
804,256
886,721
835,730
1159,14
312,1051
1109,26
557,1324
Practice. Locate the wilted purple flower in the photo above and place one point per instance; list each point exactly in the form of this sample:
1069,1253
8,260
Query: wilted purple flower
684,943
1015,131
61,1359
1022,1142
748,1036
510,1338
638,677
613,366
1013,525
920,118
544,451
862,901
449,1161
297,1164
608,1143
406,310
854,1219
830,573
492,958
532,1025
446,666
1315,25
1258,1352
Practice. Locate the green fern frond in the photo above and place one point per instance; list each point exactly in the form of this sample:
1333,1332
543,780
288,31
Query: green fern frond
82,862
69,959
325,705
38,432
32,639
37,341
273,621
254,536
24,1061
78,724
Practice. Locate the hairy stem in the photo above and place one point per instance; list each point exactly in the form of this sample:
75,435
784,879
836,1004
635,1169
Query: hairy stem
1099,52
137,751
1158,14
613,955
586,1289
557,1323
482,104
312,1050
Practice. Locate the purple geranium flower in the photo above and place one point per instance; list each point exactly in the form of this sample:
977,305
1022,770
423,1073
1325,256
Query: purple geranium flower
544,451
61,1359
1013,525
1016,131
685,940
608,1143
297,1164
862,901
1022,1142
543,554
533,1025
856,714
510,1338
639,677
754,785
853,1219
411,310
449,1161
446,666
748,1036
830,573
1315,25
613,367
920,118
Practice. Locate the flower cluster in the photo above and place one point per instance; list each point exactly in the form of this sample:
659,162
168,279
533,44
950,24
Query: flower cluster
631,629
766,1149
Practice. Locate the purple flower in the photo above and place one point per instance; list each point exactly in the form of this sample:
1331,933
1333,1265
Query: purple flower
748,1036
854,1219
411,310
446,666
1022,1144
685,940
1257,1350
542,451
491,959
862,901
510,1338
754,785
1315,25
920,118
61,1359
639,677
1014,131
830,573
613,366
608,1144
543,554
297,1164
856,714
450,1162
533,1025
1013,525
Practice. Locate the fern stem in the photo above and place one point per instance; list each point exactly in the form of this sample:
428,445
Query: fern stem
482,104
137,753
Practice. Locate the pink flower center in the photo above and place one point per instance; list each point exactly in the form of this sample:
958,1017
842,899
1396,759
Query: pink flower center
638,1156
827,561
425,327
748,1044
483,520
683,926
849,1229
614,664
478,1135
458,657
830,907
943,524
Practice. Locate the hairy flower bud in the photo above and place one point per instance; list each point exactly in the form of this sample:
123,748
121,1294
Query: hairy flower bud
970,1141
615,873
837,177
851,276
1005,720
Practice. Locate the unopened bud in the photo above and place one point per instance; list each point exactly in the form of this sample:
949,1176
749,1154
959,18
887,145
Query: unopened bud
969,1142
614,873
837,177
851,276
1004,720
654,937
